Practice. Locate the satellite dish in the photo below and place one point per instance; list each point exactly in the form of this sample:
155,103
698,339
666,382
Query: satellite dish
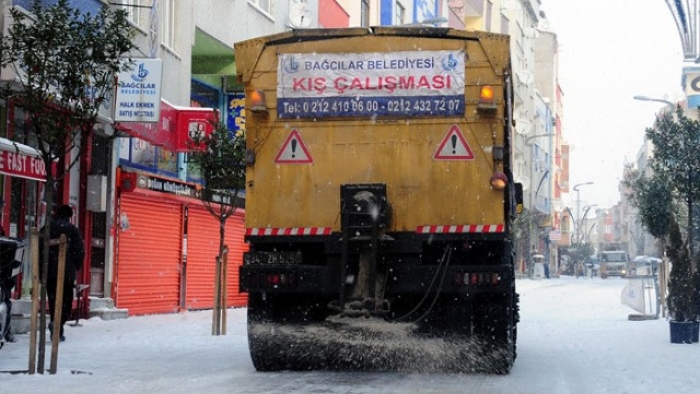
299,14
523,126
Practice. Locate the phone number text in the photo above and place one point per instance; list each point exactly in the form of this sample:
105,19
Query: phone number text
370,106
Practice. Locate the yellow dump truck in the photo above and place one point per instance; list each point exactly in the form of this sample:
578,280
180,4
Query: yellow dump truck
379,199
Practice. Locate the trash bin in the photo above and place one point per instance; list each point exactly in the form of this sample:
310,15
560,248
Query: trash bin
538,271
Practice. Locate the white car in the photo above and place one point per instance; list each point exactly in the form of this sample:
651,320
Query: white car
644,265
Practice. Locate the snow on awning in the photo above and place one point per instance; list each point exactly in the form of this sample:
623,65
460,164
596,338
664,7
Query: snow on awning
21,161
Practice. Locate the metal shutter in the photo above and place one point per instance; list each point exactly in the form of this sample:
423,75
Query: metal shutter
202,248
235,231
148,260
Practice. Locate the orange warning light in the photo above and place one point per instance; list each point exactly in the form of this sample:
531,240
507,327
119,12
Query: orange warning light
486,98
486,94
257,101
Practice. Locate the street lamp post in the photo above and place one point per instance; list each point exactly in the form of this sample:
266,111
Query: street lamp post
578,205
645,98
583,221
528,139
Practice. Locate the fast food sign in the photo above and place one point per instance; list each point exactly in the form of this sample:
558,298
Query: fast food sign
21,165
409,83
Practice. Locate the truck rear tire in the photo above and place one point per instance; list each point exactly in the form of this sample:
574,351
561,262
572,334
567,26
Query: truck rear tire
495,325
259,317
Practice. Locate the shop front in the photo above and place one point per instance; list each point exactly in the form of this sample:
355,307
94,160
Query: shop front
166,247
23,172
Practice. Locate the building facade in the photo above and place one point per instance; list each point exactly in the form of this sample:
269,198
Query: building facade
152,245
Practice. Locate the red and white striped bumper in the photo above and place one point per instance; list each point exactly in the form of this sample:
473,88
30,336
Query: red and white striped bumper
462,228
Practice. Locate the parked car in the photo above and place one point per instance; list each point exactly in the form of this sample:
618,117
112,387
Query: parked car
644,265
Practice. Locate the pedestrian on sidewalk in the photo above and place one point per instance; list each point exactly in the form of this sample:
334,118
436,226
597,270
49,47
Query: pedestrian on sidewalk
75,253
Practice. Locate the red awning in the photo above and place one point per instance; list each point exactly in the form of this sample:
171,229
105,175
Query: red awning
21,161
173,130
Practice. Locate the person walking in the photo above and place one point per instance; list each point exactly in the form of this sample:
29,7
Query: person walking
75,254
7,282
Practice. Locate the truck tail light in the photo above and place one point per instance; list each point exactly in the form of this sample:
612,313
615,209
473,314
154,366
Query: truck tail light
478,279
280,280
499,180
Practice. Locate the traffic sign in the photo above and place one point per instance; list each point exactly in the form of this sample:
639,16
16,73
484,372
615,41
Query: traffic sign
294,150
454,146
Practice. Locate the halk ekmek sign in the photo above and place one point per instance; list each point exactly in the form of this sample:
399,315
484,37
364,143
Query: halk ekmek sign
138,92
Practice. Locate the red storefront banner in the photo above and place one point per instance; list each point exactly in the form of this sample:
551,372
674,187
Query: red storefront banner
21,161
175,127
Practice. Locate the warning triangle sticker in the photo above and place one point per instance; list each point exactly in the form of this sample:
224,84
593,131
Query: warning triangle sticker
293,150
454,146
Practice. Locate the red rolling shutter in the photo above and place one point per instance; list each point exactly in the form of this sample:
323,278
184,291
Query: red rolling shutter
148,260
235,230
202,249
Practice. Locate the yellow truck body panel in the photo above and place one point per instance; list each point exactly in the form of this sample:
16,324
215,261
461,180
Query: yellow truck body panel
436,168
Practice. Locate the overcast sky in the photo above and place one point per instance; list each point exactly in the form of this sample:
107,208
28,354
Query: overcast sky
611,51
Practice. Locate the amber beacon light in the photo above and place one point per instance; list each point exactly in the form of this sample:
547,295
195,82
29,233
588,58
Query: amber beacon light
257,101
486,99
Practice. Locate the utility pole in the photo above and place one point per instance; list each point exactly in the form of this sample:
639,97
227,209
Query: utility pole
578,207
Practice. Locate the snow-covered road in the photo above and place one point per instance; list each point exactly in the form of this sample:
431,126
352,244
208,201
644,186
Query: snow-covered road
574,337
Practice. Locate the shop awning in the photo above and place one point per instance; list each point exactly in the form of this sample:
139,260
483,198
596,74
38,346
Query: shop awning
21,161
173,130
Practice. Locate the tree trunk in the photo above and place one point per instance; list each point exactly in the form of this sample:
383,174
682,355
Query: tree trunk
34,252
48,198
58,305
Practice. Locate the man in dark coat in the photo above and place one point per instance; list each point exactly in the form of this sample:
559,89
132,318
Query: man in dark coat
75,254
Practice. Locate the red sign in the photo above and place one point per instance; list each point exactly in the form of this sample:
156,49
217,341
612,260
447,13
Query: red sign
21,165
191,121
174,128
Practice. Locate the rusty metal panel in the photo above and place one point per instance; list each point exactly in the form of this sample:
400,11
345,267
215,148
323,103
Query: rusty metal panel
148,259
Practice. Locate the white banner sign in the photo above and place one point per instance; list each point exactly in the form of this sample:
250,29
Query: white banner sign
411,83
138,92
633,295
